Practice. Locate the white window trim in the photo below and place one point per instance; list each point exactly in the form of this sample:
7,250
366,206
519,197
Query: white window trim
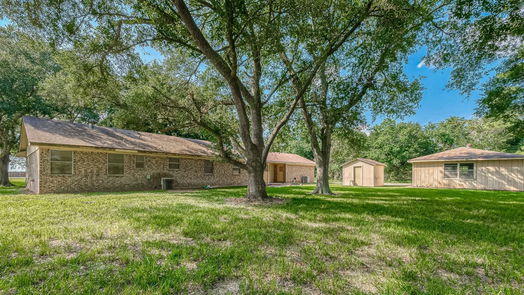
458,170
72,163
173,169
123,164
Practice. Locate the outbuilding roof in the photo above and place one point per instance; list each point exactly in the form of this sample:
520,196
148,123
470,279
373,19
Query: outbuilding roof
466,154
288,158
367,161
40,131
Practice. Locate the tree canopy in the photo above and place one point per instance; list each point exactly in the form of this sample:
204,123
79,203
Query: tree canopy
257,48
24,63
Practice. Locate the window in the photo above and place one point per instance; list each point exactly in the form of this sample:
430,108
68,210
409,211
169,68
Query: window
174,164
115,164
236,170
139,162
450,170
459,170
208,167
61,162
467,171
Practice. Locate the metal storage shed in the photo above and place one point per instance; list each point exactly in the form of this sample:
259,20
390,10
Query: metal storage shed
363,172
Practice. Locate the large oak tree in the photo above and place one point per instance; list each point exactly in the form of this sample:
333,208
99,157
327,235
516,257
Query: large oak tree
243,41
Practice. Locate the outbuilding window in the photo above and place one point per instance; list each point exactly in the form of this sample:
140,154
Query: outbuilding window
467,171
173,164
208,167
115,164
459,170
139,162
61,162
451,170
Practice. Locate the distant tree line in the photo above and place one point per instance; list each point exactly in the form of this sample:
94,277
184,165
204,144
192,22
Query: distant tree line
394,143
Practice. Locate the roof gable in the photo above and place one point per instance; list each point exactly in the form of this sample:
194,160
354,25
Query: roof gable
367,161
288,158
465,154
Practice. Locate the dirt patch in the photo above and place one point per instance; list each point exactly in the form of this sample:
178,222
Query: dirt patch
245,201
363,281
226,287
190,265
448,276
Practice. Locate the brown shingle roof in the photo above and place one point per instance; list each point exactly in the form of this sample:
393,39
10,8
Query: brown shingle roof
368,161
466,153
64,133
55,132
288,158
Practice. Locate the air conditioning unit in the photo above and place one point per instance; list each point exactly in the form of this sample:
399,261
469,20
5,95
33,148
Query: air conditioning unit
167,183
304,179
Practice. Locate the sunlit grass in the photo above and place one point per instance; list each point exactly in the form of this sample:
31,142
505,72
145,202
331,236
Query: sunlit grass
18,182
362,240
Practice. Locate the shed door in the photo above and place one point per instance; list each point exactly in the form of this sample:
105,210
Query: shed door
280,173
357,175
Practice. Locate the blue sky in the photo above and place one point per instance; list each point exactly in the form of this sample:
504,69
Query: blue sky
438,102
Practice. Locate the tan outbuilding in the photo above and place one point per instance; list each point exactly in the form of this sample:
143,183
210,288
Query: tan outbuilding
363,172
288,168
469,168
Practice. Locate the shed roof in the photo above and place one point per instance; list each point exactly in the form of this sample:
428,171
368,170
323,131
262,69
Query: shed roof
367,161
64,133
465,154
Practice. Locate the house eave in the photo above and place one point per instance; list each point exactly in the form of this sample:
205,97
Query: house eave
356,160
463,160
118,150
292,163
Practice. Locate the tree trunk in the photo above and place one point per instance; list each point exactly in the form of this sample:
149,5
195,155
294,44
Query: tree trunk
322,158
256,186
322,187
4,171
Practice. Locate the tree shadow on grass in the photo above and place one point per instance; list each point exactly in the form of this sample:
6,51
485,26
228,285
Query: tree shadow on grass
414,218
464,216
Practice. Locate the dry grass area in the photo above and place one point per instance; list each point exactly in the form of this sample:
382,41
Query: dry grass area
360,241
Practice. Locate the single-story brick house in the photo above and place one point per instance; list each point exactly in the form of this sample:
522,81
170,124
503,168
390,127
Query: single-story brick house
470,168
72,157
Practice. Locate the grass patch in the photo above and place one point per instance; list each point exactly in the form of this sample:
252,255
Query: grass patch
362,240
18,184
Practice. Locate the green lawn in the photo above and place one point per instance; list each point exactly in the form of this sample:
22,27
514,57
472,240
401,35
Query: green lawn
363,240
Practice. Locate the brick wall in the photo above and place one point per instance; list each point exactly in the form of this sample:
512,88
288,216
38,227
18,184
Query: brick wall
90,174
293,171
